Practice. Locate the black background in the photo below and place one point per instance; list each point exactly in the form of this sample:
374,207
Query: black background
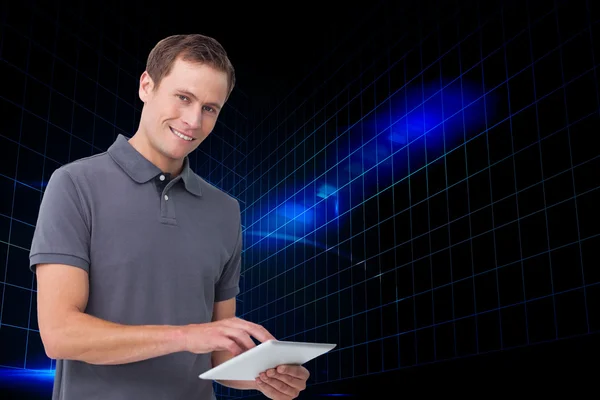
538,203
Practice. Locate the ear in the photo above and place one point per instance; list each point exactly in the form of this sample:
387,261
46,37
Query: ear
146,87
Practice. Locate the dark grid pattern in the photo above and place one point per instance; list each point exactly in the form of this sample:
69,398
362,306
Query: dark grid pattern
72,79
483,243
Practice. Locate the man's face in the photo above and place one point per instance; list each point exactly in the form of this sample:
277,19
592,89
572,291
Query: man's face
183,110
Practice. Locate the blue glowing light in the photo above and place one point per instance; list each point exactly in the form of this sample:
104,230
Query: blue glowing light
27,378
326,190
282,236
434,126
416,126
276,236
295,212
34,184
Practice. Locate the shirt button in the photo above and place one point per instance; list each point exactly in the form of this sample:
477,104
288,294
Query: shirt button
166,197
162,178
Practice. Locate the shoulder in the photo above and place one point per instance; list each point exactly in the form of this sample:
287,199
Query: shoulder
217,195
81,175
84,167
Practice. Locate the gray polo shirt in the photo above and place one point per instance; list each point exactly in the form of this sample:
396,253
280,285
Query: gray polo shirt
158,251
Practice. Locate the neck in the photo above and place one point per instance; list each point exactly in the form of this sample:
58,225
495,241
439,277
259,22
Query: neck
140,142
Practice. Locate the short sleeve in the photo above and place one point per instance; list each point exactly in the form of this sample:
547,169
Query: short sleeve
62,232
228,285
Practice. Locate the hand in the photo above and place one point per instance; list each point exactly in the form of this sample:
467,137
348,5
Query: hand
231,334
284,382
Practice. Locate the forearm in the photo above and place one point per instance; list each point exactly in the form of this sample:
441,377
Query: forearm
86,338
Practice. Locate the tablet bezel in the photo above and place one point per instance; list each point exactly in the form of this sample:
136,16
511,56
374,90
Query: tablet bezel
264,354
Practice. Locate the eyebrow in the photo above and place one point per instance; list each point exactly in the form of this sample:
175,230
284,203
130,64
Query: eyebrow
190,94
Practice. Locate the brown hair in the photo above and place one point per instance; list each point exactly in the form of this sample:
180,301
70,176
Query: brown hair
192,47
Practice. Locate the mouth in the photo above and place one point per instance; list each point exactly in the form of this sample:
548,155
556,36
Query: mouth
181,135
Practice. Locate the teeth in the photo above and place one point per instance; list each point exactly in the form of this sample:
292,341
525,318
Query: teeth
181,135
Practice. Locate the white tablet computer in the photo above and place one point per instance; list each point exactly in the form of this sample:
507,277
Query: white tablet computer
270,354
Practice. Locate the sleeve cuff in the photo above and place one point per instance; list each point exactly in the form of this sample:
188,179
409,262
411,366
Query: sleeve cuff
226,294
48,258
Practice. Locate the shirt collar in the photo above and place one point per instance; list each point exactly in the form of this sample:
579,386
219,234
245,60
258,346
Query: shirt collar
141,170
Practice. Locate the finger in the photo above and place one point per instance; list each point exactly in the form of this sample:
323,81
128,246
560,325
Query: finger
271,391
280,385
296,383
230,346
241,337
258,331
264,333
297,371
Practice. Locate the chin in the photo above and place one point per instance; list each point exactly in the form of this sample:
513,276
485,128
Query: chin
177,153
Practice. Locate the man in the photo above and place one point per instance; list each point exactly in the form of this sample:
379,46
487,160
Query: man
138,259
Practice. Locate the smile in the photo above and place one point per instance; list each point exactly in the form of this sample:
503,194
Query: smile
181,135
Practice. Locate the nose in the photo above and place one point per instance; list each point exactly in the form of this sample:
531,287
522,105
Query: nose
192,118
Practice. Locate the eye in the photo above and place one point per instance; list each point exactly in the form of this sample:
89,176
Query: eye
209,109
183,98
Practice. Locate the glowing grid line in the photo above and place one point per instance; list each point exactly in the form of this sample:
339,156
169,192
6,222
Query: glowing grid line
65,28
366,310
512,146
486,206
52,90
526,189
407,147
378,229
562,72
410,200
362,161
43,169
480,234
310,73
474,236
427,187
46,120
14,180
357,51
590,24
417,138
542,172
391,95
14,195
395,236
433,325
448,204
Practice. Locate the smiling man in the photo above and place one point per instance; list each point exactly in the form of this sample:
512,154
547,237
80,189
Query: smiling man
138,258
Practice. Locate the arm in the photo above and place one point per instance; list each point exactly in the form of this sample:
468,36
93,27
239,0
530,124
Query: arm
224,310
68,333
60,258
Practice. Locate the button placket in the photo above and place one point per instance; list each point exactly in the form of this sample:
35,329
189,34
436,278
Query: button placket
167,208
